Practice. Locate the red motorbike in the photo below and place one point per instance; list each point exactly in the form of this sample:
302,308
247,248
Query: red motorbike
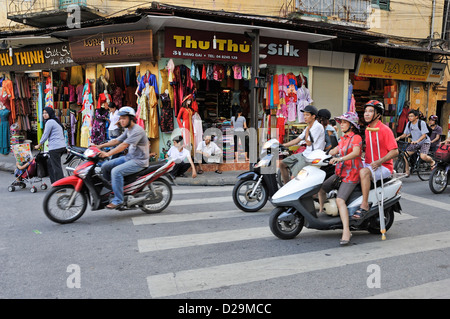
148,190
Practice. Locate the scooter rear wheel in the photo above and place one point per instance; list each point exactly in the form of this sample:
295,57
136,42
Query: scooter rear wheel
160,199
286,228
56,201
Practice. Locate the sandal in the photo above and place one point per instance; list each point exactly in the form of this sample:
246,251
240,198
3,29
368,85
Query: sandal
359,213
200,171
433,166
218,171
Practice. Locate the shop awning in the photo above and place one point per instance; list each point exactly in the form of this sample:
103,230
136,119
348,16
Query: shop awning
158,22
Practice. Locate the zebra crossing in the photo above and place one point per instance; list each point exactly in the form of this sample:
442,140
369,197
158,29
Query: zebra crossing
193,205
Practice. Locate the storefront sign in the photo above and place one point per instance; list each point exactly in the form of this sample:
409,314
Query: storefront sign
199,45
397,69
118,47
43,57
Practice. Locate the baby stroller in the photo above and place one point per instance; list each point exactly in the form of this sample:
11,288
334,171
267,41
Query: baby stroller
34,173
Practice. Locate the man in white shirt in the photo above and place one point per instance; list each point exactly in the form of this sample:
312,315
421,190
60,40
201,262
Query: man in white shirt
180,154
211,153
114,128
313,135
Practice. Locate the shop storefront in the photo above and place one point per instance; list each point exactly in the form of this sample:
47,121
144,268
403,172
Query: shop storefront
31,79
400,84
118,68
216,67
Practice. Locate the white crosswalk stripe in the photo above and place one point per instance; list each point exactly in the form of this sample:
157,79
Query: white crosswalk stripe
172,283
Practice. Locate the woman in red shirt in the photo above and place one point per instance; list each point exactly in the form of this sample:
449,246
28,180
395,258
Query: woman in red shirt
348,163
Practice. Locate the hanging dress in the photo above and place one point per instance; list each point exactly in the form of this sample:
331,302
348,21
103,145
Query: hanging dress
4,132
98,134
166,114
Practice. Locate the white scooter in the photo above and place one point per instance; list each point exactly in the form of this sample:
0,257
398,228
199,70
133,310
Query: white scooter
295,205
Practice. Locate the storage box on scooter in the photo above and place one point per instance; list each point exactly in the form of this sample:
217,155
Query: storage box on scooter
443,153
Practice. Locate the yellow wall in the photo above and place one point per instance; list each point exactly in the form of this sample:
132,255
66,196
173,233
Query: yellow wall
410,18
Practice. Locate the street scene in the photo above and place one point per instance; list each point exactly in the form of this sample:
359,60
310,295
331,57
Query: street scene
224,151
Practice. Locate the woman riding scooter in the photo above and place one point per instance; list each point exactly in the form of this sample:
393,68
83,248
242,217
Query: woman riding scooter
347,169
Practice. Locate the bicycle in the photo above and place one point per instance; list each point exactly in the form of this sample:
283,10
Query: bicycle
416,164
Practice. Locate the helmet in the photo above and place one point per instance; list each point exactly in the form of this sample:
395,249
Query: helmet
127,110
310,109
377,105
324,113
433,118
351,117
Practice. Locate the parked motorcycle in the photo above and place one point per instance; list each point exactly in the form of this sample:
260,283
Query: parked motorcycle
439,178
148,190
295,209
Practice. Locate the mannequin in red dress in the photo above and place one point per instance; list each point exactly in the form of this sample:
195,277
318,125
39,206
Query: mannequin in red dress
184,120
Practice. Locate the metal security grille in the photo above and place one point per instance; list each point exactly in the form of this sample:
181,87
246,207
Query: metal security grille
347,10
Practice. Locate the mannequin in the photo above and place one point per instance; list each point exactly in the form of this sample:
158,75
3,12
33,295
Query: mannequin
184,120
4,130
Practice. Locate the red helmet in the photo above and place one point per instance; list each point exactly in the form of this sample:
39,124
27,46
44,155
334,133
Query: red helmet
377,105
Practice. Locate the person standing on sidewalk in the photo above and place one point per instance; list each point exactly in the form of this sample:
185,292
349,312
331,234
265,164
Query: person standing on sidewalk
54,133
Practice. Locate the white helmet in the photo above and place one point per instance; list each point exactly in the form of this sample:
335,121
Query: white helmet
127,110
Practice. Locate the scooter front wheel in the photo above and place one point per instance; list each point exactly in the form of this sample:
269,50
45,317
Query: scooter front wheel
438,180
285,224
56,204
243,198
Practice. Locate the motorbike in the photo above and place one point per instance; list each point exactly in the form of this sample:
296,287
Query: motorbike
439,178
149,190
255,187
295,204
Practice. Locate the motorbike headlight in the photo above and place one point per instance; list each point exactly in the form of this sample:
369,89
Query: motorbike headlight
301,175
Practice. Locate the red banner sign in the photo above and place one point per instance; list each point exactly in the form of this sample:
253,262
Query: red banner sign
230,47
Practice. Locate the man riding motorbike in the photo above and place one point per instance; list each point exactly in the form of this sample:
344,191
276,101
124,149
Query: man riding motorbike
135,139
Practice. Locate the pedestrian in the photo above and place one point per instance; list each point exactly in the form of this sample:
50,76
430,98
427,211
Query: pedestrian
417,130
435,136
380,166
313,135
54,133
180,155
210,153
239,123
331,139
346,175
114,129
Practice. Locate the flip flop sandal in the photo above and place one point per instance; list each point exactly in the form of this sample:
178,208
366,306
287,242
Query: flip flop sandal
218,171
200,171
359,213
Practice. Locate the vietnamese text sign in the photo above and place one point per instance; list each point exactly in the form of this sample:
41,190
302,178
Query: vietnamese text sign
398,69
230,47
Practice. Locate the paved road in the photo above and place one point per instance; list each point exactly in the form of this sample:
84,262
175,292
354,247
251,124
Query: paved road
203,247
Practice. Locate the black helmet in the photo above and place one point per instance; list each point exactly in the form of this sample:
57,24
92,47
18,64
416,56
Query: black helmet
310,109
324,113
377,105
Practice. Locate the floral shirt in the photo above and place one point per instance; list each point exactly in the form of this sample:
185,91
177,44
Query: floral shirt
349,170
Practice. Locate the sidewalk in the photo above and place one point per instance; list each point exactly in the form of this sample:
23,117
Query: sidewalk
208,178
